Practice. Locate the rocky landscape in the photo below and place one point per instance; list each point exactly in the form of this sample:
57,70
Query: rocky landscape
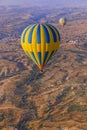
55,99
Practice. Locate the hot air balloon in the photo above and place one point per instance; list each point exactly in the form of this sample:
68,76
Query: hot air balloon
40,42
62,21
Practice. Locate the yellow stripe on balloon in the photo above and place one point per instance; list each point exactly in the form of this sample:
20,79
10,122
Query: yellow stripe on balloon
56,33
26,49
29,45
34,46
38,45
23,34
50,34
44,41
43,44
47,58
26,46
47,44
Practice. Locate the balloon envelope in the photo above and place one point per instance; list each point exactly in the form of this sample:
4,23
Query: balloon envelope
62,21
40,42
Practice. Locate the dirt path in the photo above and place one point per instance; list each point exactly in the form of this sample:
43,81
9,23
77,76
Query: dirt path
5,106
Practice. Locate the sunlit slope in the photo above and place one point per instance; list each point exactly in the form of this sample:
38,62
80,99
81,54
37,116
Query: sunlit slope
52,100
56,98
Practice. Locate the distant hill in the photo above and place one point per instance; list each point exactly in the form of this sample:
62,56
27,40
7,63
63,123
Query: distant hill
57,98
45,2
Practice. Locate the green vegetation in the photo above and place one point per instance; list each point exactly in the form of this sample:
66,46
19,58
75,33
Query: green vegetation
80,80
76,52
80,58
1,117
76,107
1,83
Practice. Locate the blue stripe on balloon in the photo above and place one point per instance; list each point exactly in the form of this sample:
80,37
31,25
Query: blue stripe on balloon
38,35
53,32
30,34
32,53
27,53
50,55
57,32
45,57
39,56
23,38
59,36
46,34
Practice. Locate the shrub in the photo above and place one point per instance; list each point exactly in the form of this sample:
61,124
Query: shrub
76,107
1,117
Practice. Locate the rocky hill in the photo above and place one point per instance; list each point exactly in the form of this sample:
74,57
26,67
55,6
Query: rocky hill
53,100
